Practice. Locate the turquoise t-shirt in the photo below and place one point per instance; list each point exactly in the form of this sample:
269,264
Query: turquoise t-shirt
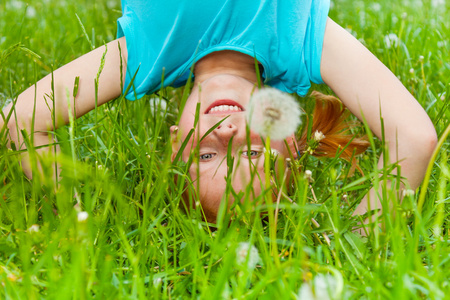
164,39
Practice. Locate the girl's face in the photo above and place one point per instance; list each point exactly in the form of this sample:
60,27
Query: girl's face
223,96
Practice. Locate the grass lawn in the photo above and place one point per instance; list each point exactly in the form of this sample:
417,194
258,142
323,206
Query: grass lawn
129,238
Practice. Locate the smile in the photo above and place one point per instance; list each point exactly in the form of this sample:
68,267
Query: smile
224,106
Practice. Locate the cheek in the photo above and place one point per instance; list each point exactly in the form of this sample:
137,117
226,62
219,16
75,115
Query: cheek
186,122
210,191
187,117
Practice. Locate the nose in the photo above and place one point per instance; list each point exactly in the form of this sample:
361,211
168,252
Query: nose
225,131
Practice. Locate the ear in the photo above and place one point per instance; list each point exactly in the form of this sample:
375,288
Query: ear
174,140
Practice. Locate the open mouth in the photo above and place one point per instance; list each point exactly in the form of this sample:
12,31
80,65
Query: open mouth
224,106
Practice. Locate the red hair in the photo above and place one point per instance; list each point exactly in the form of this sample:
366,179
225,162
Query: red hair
330,118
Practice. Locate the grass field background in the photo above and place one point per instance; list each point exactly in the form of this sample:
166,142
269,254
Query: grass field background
130,239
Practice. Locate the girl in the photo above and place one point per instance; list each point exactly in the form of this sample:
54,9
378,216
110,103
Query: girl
293,41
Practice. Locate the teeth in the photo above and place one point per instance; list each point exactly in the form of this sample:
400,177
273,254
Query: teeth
225,108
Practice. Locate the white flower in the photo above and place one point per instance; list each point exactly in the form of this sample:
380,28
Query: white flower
33,228
391,40
31,12
436,3
157,105
306,292
318,136
157,282
82,216
308,175
247,253
408,193
324,287
376,7
273,113
273,152
16,4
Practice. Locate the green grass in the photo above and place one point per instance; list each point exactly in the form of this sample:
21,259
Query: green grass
138,243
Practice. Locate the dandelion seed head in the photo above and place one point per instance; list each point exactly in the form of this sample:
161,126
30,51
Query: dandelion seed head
245,250
272,113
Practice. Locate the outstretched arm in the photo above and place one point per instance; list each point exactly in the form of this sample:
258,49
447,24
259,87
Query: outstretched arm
368,88
86,68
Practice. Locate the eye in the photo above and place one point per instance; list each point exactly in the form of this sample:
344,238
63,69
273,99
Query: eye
207,156
251,153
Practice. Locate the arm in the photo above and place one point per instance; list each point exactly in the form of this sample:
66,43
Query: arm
86,68
367,87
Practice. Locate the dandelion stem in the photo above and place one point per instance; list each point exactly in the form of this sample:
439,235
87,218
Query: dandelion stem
268,198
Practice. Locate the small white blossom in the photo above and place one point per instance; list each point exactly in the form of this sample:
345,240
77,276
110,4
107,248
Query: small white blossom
33,228
411,71
157,282
308,175
82,216
247,253
324,287
441,44
437,3
16,4
391,40
306,292
272,113
408,193
273,152
31,12
421,58
157,105
318,136
376,7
